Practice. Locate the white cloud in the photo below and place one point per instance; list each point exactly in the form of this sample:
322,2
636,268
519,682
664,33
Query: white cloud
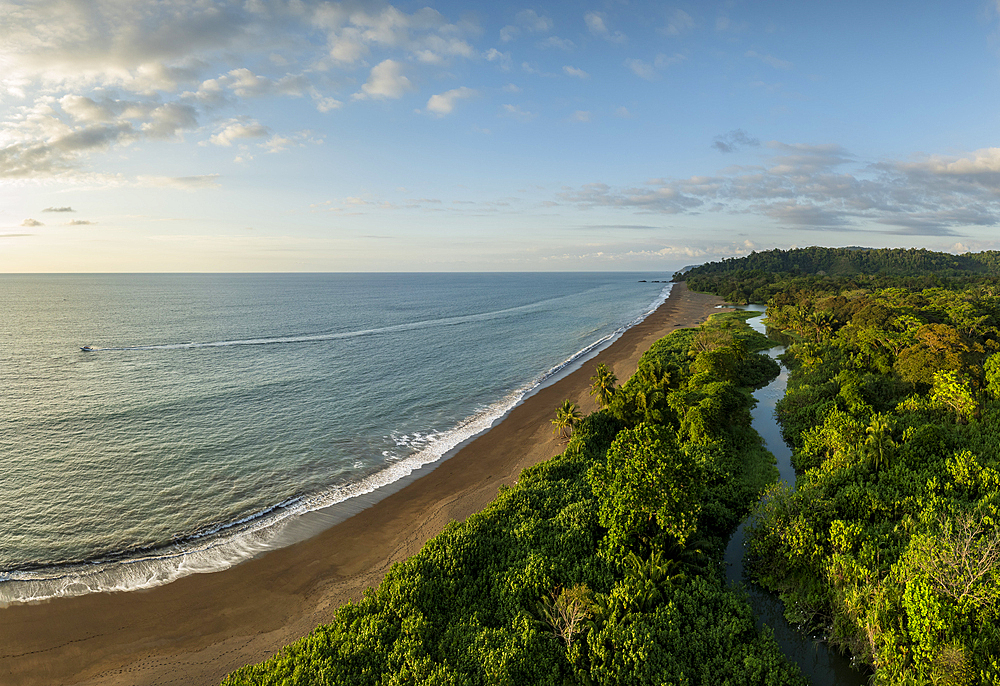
623,112
515,112
643,70
502,58
236,129
327,104
386,81
443,103
80,222
824,187
525,20
187,183
556,42
578,73
511,88
347,47
597,25
245,83
595,22
650,72
532,21
166,120
581,116
31,223
678,23
278,143
85,110
982,162
425,34
46,147
102,75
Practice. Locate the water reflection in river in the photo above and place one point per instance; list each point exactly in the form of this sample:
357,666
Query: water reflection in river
823,666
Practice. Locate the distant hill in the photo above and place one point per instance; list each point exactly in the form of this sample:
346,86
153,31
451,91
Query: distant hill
746,279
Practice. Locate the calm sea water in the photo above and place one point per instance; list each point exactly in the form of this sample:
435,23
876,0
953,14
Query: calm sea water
217,409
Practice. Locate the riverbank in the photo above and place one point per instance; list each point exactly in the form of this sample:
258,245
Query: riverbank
199,628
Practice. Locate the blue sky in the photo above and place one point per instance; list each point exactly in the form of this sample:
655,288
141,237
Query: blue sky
183,135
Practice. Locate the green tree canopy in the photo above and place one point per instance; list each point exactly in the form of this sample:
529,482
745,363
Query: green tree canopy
647,487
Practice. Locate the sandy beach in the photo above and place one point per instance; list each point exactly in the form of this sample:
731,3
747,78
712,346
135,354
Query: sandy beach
196,630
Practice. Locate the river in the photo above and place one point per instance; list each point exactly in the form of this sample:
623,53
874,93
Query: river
821,664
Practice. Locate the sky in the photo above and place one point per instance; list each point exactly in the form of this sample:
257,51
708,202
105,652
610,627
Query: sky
292,135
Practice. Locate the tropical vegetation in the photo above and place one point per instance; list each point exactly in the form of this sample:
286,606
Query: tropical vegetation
889,544
603,565
600,566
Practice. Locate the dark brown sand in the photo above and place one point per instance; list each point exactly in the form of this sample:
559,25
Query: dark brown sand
197,629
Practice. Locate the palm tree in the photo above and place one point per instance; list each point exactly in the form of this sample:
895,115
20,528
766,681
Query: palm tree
567,417
879,444
602,385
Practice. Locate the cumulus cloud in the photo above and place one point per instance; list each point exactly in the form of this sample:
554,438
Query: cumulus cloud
501,58
981,166
386,81
167,120
824,187
444,103
651,71
31,223
734,140
79,222
86,110
325,105
105,74
245,83
235,129
578,73
515,112
528,21
58,209
679,22
35,154
597,25
643,70
426,34
556,42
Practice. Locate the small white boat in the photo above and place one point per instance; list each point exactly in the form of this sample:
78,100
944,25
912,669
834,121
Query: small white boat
86,348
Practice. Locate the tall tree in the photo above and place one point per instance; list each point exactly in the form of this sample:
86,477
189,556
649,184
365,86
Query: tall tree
567,417
602,385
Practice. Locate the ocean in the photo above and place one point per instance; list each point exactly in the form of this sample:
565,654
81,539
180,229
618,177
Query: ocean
216,411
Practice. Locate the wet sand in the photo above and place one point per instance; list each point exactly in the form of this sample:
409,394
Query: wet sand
196,630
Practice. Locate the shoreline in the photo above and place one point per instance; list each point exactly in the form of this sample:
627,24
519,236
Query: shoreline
200,627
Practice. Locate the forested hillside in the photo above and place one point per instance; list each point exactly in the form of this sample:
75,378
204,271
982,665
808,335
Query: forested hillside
762,275
601,566
890,544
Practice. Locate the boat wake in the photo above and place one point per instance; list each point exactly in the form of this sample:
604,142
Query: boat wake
341,335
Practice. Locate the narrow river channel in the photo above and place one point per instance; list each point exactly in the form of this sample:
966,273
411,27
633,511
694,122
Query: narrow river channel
821,664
